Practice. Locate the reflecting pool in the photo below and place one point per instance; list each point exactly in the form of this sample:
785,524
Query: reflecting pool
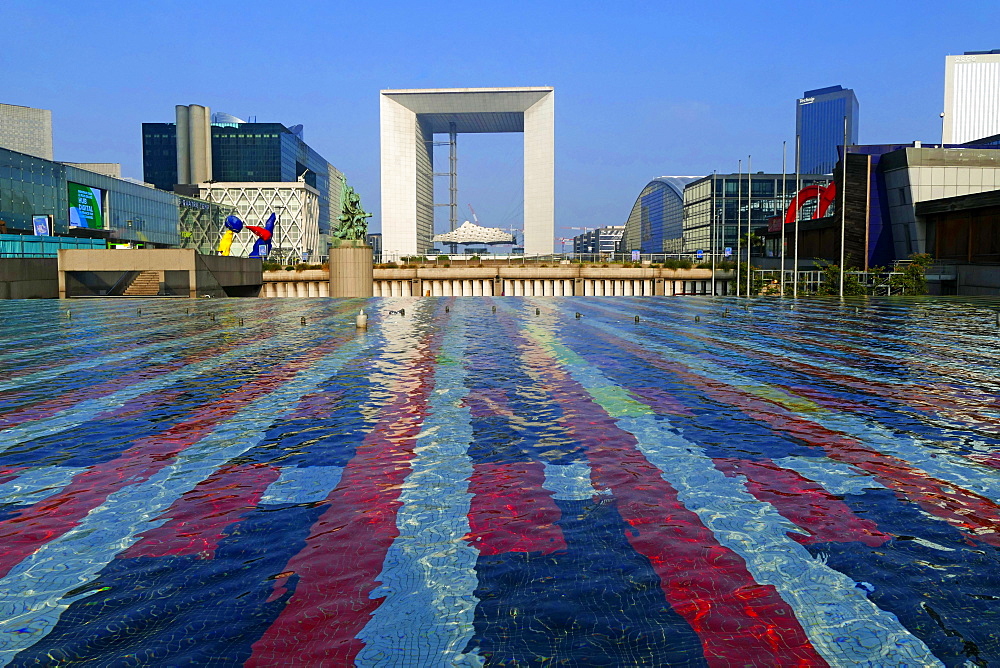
505,482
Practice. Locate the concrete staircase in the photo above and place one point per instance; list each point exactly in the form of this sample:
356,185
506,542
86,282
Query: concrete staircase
146,284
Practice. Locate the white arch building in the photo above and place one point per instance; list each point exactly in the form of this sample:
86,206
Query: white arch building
409,120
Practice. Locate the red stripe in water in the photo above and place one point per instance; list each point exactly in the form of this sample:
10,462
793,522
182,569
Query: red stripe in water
50,518
338,567
8,473
511,511
199,517
804,502
739,621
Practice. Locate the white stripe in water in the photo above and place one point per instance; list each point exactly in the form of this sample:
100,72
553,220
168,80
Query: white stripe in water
428,576
841,623
36,484
569,481
303,484
833,476
35,587
91,408
101,360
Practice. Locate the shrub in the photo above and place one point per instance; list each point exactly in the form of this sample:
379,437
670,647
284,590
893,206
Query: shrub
474,258
270,266
443,258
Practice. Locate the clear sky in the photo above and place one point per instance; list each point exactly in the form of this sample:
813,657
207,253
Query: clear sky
642,89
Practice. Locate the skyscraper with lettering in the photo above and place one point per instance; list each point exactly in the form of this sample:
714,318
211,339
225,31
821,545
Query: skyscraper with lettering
819,124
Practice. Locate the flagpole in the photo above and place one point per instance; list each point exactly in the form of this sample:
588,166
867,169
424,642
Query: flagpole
798,189
843,209
711,234
739,222
781,212
749,212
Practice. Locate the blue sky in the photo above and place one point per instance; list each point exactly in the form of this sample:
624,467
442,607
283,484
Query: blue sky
642,89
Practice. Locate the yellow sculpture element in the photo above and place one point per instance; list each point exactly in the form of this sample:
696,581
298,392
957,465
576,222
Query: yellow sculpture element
226,242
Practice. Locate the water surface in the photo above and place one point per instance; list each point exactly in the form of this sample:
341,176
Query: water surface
254,482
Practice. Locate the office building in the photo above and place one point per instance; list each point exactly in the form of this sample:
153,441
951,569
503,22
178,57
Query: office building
374,240
599,241
971,97
716,207
203,148
819,125
409,119
656,222
895,197
82,203
26,130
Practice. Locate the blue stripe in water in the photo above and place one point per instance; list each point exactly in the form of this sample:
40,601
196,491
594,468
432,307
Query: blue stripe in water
945,590
597,603
181,610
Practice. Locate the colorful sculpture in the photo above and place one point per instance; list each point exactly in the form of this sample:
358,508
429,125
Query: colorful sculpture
825,194
264,233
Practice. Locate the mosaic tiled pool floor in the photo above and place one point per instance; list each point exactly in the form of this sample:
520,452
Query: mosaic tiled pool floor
790,485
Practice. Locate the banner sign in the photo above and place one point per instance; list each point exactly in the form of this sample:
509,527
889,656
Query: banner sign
85,206
41,226
729,251
700,254
635,256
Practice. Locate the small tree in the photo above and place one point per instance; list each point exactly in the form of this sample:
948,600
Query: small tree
913,278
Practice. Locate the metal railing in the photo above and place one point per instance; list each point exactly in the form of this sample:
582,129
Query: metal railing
555,258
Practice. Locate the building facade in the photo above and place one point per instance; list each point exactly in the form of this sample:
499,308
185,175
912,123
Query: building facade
83,203
409,119
656,222
201,223
599,241
296,205
716,207
26,130
971,92
238,153
819,125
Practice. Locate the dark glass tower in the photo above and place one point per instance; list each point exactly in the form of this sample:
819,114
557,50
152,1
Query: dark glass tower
241,152
819,122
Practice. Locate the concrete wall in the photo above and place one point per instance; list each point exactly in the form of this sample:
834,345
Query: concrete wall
207,274
557,281
29,278
978,279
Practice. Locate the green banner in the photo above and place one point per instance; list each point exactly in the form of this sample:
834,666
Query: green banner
85,206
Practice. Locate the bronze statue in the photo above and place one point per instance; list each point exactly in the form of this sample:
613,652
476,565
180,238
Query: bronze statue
353,225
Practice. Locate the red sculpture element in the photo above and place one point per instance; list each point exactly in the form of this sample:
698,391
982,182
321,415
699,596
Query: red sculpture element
825,195
262,233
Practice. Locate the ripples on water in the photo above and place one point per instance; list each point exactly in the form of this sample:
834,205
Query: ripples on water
800,483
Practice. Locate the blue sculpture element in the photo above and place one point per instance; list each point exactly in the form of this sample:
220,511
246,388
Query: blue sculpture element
233,223
262,246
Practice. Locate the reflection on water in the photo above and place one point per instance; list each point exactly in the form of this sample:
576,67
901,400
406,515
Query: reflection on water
809,482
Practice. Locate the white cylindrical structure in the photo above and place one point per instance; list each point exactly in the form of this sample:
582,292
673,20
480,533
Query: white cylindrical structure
200,143
588,288
183,141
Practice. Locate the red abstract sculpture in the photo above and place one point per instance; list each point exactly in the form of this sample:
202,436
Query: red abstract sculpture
825,195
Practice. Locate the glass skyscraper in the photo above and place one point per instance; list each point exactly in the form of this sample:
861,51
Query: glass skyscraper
655,224
819,124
